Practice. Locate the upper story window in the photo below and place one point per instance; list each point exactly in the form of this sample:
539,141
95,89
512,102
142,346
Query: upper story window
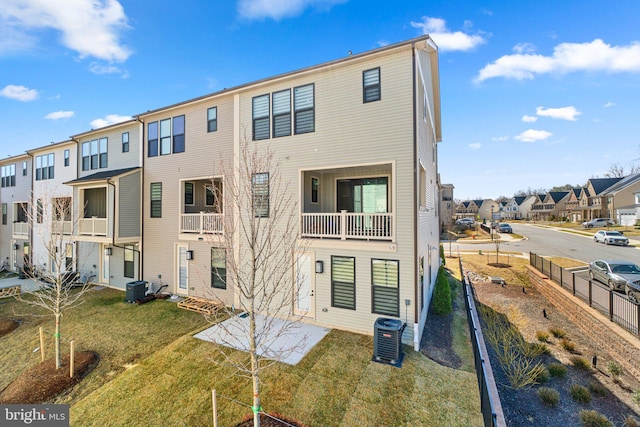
261,117
212,119
45,167
94,154
282,113
371,85
304,108
125,142
8,175
260,188
24,168
66,157
166,142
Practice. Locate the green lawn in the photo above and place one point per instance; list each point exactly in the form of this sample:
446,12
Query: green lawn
152,372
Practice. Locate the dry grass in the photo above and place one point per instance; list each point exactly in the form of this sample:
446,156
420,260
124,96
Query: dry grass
567,262
514,274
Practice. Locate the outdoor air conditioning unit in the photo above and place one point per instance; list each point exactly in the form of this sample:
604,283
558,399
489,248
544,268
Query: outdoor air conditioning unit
387,341
136,291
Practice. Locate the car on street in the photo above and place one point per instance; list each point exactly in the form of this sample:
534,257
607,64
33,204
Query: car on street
610,237
505,228
597,222
618,275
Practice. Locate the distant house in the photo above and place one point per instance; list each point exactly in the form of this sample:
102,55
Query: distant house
596,206
622,194
447,205
480,210
550,206
467,209
573,210
518,207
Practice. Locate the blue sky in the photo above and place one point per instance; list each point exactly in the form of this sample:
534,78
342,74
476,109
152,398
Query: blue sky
534,94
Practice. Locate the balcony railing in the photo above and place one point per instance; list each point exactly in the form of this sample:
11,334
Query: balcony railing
93,226
348,225
202,223
20,228
62,227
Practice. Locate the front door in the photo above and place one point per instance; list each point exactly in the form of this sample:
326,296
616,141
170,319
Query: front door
182,287
304,292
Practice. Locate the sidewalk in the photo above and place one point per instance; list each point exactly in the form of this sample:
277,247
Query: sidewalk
26,285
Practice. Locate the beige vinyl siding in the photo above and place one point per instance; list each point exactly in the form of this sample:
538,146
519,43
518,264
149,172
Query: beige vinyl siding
116,159
129,205
204,152
21,192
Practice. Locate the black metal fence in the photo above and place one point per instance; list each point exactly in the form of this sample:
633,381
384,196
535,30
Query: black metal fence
617,307
489,399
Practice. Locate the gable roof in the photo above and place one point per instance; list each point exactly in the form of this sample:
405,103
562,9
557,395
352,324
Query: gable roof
601,184
519,199
623,183
556,196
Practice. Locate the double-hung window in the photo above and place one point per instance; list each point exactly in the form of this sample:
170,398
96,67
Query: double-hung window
178,134
152,139
304,109
282,113
66,157
129,261
4,214
94,154
261,122
45,167
212,119
9,176
343,282
24,168
102,152
188,193
218,268
156,200
125,142
385,277
371,85
260,187
165,137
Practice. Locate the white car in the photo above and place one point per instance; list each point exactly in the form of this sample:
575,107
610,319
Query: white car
597,222
465,221
610,238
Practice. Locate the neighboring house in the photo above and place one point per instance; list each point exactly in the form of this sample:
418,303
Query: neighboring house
52,166
519,207
357,138
467,209
629,216
621,194
489,210
107,196
596,206
15,196
549,207
573,209
447,205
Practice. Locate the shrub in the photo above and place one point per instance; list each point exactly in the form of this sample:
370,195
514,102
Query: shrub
630,421
580,393
580,363
549,396
542,336
543,376
557,370
568,345
598,389
557,332
442,258
591,418
442,294
536,349
635,396
615,369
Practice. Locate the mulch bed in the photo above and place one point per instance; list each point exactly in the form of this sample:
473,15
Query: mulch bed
42,382
7,326
266,421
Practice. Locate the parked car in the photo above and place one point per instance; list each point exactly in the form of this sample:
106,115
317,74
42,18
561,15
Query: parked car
618,275
505,228
610,238
465,221
597,222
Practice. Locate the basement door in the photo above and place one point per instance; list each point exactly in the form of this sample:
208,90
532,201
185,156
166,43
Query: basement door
304,292
182,287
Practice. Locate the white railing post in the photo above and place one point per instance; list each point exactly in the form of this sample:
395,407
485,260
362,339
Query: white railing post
343,225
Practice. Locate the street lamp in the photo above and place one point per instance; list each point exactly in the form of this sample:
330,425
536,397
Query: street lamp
491,223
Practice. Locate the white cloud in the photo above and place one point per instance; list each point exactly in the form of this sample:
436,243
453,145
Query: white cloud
524,48
475,146
382,43
533,135
90,27
529,119
566,58
278,9
500,138
609,104
19,93
445,39
109,119
100,69
565,113
57,115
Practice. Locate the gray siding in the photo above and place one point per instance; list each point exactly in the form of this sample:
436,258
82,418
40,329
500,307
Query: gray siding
116,159
129,205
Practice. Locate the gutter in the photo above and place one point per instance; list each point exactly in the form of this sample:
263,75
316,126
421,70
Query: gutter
416,186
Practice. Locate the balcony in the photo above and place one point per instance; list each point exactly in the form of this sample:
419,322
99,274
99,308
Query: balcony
62,227
202,223
20,229
93,226
348,225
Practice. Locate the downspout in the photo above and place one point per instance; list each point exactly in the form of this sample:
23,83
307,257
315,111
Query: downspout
416,186
32,206
141,153
113,228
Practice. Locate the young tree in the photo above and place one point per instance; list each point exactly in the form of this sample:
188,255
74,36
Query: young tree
53,264
262,249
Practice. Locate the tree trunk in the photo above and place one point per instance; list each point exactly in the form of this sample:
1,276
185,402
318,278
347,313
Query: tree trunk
255,374
57,340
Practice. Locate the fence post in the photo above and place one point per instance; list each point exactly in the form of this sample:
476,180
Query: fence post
71,358
41,344
638,319
610,304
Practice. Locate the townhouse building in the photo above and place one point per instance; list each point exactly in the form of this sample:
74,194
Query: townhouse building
356,138
107,203
447,205
15,197
549,206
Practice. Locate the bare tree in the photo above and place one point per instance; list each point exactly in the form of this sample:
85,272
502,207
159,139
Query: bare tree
53,264
262,248
496,242
617,170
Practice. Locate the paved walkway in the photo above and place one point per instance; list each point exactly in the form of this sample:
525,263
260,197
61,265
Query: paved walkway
26,285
